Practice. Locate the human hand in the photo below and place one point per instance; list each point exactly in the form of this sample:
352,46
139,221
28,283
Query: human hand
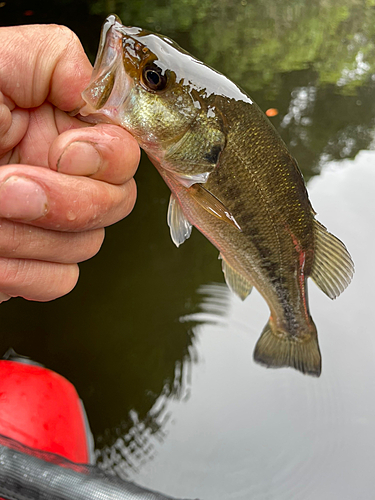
61,181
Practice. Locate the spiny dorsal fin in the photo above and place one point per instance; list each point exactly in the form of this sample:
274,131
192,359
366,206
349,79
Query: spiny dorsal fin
212,205
235,281
278,349
179,225
333,267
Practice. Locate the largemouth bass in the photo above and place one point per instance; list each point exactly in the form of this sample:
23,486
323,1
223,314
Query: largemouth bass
231,176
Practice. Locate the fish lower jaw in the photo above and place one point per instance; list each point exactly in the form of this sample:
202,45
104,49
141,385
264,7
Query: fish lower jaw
89,114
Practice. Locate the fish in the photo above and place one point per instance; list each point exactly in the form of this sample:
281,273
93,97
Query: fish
231,176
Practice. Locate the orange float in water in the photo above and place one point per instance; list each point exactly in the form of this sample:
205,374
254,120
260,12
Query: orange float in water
272,112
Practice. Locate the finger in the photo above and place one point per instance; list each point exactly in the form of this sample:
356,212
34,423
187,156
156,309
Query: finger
62,202
36,280
54,66
22,241
32,132
13,126
104,152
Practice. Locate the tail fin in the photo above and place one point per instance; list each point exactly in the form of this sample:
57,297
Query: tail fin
276,349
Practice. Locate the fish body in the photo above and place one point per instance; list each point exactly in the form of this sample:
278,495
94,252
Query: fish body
231,176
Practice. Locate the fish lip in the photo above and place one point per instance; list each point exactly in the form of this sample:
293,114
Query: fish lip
110,46
130,30
103,96
113,22
110,22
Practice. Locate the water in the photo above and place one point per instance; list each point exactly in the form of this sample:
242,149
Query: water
159,350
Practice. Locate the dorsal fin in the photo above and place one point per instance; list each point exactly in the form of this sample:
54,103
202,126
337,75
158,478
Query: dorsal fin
333,267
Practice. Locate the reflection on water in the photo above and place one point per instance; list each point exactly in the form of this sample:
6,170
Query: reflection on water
161,355
135,442
137,438
214,303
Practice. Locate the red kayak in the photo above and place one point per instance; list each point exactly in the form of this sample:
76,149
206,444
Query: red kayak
45,441
42,410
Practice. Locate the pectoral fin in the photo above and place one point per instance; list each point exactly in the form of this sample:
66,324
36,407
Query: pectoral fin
189,180
333,267
212,205
235,281
179,226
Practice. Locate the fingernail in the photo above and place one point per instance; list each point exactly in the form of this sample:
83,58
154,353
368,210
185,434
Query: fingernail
79,158
22,199
4,297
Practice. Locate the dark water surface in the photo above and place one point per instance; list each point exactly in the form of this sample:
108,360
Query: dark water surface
158,348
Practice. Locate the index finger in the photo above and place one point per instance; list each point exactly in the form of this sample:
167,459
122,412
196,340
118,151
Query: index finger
40,62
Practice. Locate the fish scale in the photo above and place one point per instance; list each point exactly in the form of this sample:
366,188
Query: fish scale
264,184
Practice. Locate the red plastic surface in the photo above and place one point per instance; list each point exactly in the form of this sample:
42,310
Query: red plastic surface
41,409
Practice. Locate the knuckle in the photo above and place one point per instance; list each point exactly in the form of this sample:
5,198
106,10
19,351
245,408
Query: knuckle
53,39
11,235
63,35
15,237
15,272
71,39
58,42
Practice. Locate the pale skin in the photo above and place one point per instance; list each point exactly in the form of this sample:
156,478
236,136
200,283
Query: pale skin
61,181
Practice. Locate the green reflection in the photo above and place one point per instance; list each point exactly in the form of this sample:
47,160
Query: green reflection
262,39
271,47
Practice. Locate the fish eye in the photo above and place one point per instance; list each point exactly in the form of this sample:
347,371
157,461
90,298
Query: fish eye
153,78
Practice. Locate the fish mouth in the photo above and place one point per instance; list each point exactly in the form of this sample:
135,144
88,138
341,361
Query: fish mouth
107,45
110,85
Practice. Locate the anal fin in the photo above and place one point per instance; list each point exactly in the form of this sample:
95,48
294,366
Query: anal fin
235,281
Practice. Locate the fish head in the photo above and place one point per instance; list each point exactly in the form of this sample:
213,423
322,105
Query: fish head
162,95
133,86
